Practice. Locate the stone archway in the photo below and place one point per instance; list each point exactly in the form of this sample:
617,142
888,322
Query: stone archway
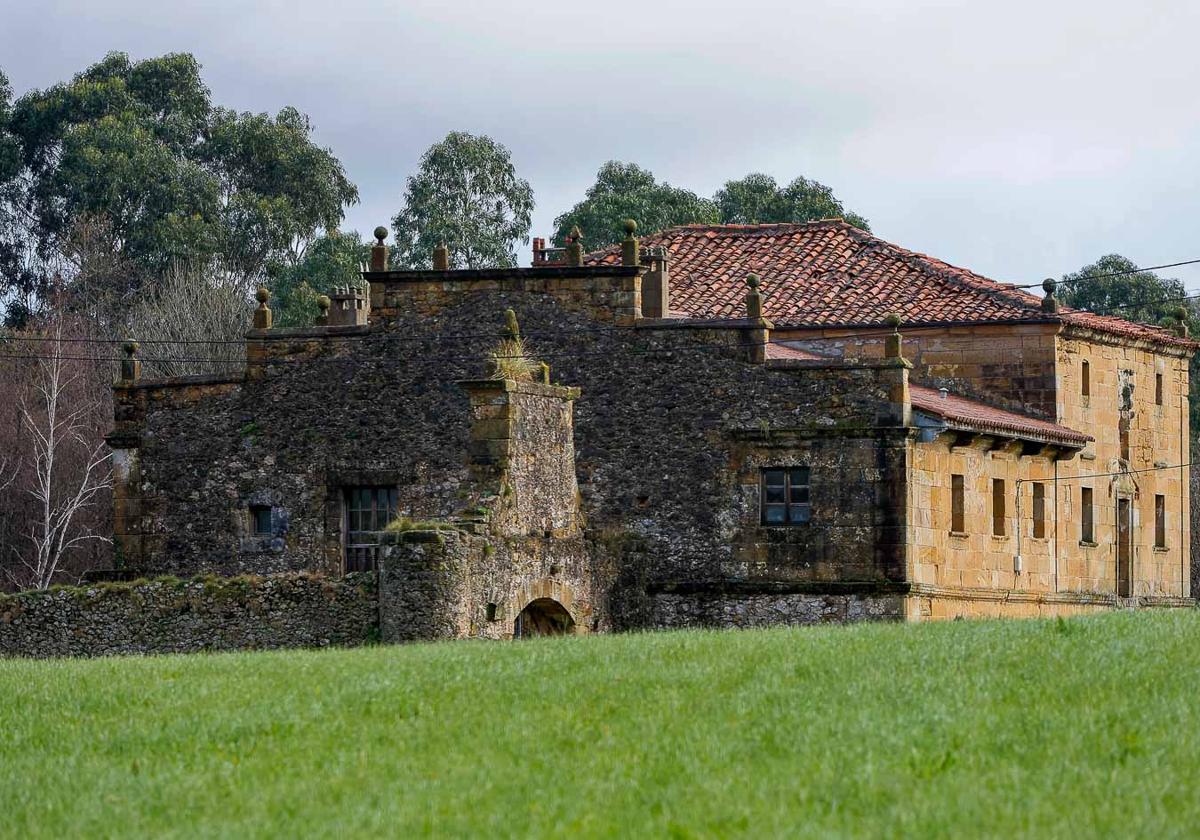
543,617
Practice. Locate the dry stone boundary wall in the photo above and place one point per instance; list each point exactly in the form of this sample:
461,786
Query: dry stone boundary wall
168,615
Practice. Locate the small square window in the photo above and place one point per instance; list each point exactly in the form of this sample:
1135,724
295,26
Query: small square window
786,496
260,519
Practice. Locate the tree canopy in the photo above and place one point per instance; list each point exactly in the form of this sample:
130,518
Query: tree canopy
1113,285
333,259
466,193
140,145
758,199
626,191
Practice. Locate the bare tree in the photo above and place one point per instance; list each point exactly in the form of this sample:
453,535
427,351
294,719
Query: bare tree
193,320
65,469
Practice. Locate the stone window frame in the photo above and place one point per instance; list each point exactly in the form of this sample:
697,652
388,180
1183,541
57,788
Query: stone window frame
255,512
361,556
958,504
1160,522
796,485
1038,509
1087,516
999,508
337,479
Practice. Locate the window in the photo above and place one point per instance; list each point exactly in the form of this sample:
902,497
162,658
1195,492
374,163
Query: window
1039,510
368,511
785,496
260,520
998,507
1158,389
1085,380
1160,521
1087,534
957,513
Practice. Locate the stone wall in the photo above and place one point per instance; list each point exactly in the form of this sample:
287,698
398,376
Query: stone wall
744,609
672,424
185,616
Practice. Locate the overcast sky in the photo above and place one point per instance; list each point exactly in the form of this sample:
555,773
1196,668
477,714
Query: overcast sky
1019,139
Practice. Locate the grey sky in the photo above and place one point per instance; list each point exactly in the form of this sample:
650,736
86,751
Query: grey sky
1020,139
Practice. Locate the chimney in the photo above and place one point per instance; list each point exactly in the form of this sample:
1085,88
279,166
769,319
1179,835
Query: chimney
349,308
656,284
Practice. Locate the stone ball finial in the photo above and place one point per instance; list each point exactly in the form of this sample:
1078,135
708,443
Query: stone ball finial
893,320
752,280
576,234
262,295
630,227
324,302
1048,285
381,234
130,347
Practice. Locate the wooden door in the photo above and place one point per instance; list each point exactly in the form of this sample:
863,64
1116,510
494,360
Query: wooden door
1124,549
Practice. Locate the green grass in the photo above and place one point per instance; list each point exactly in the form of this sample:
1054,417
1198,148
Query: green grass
1080,728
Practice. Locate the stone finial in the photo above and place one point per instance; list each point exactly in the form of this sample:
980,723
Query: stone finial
1181,321
629,247
441,257
575,247
131,365
379,251
1049,302
511,328
545,374
753,298
323,304
894,343
262,315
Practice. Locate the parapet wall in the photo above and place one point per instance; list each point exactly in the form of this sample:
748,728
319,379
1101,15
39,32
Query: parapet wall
168,615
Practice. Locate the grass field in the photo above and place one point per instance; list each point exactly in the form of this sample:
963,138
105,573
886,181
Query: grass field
1080,728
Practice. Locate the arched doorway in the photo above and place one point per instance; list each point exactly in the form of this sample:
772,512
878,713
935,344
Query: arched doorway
543,617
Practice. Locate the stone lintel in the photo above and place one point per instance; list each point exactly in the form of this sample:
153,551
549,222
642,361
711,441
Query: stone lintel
503,386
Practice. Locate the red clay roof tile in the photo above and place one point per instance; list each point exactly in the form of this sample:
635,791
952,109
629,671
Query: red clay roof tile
829,273
976,415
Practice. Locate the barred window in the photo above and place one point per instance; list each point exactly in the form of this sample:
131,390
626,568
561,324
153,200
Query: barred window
786,496
368,510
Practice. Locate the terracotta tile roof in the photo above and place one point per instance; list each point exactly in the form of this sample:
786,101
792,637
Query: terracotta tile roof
960,412
829,273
